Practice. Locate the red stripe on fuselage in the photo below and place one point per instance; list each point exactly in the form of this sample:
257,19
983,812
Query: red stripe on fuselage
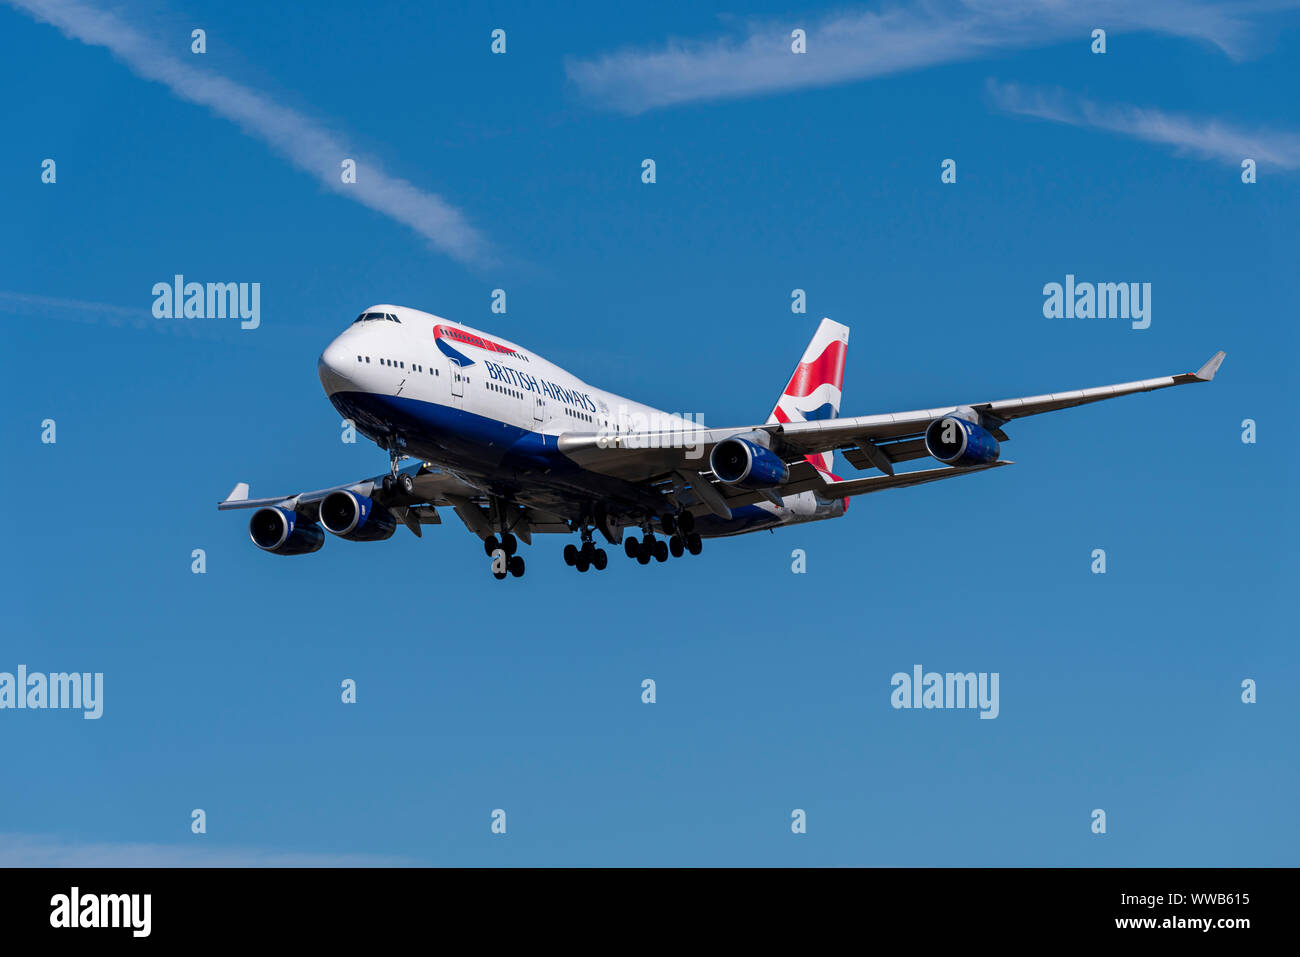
469,339
827,367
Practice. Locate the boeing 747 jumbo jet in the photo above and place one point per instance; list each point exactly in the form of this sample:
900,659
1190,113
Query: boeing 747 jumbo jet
516,447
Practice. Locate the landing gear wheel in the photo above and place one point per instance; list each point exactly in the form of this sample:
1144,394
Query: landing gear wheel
686,522
509,543
675,546
499,576
645,551
406,484
516,565
387,483
630,545
570,554
669,523
490,545
600,559
582,564
693,544
661,551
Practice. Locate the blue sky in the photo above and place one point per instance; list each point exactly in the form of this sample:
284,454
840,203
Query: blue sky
522,171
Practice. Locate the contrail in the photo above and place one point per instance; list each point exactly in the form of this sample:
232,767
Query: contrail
298,138
850,45
1206,137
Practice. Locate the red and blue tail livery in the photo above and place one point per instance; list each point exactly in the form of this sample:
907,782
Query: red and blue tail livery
815,388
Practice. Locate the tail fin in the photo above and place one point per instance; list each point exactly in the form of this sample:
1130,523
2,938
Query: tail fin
816,386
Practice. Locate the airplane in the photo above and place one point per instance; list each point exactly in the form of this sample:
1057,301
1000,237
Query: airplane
515,446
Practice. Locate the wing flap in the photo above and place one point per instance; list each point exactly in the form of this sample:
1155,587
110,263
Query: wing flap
879,483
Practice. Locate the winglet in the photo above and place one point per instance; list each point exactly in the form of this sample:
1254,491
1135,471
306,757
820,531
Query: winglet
239,493
1206,372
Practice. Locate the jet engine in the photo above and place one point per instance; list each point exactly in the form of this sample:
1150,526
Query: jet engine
356,517
747,464
281,531
955,441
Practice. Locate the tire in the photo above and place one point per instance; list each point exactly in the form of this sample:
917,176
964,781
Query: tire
630,546
675,546
570,554
517,566
694,545
509,543
600,560
686,522
582,564
387,483
407,484
490,545
643,555
661,551
669,524
499,576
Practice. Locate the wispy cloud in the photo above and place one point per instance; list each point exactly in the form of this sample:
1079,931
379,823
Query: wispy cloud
302,140
28,306
1207,138
38,850
889,39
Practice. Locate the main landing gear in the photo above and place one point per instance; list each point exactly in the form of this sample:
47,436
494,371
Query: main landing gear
502,553
588,556
683,538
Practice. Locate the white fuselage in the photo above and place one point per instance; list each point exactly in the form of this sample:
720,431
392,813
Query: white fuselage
470,400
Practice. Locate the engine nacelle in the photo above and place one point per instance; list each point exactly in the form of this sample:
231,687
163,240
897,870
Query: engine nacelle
955,441
356,518
281,531
747,464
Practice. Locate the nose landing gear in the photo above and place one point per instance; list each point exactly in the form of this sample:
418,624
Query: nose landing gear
396,481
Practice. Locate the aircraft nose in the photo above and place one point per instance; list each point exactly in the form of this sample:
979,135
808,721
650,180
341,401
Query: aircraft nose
333,368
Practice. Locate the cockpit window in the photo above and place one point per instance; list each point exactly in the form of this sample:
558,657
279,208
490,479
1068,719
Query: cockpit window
372,316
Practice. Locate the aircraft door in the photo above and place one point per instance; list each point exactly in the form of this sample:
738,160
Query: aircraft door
457,378
539,410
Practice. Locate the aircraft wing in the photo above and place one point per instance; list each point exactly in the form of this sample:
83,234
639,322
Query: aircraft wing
238,497
433,486
867,440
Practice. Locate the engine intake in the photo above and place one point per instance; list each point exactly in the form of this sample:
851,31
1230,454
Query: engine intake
356,517
280,531
747,464
957,442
